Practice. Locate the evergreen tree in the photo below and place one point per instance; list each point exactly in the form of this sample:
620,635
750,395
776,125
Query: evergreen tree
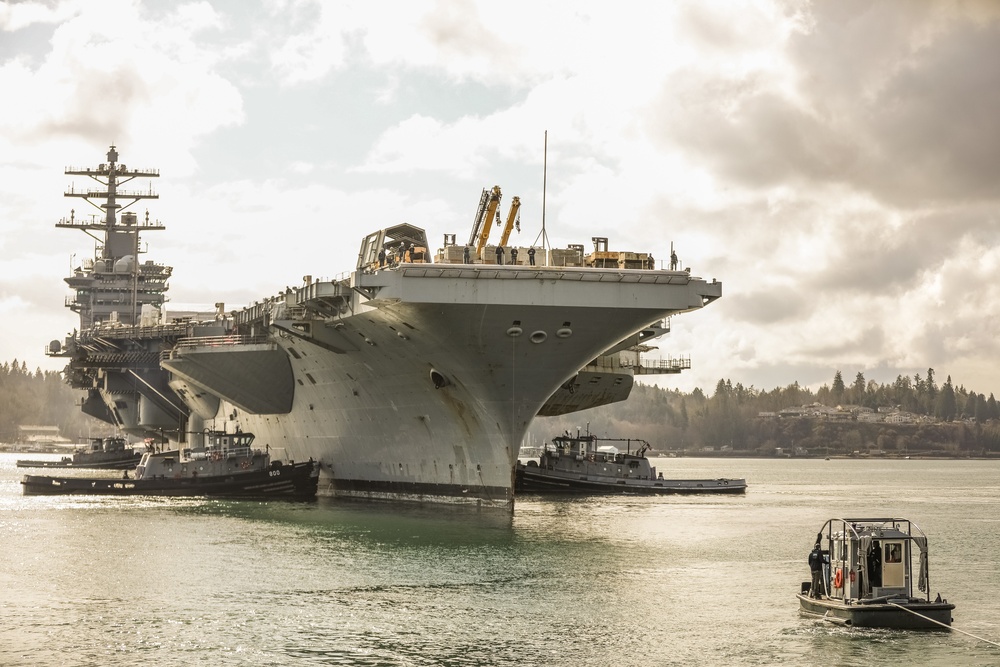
970,410
981,411
838,387
903,394
930,397
875,395
858,389
944,405
920,394
792,395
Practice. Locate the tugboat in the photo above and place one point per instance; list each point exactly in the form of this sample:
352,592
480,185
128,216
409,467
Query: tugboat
112,453
578,464
867,577
227,466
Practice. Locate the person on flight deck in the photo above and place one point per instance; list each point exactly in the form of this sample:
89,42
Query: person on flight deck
381,257
499,254
467,251
401,253
673,260
531,255
513,255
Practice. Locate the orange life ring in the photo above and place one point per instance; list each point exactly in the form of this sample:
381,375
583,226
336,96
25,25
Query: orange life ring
838,579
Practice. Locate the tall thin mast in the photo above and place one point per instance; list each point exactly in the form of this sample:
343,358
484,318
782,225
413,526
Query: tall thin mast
545,177
545,181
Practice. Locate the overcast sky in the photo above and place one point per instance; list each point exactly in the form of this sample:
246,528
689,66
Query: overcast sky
836,165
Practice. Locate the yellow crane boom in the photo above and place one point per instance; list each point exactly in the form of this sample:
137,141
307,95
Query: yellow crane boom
487,217
512,218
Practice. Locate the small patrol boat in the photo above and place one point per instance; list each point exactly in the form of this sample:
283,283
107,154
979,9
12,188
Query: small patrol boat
867,576
103,453
579,464
227,465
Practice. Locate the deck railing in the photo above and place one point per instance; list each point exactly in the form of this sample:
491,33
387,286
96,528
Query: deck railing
669,364
231,340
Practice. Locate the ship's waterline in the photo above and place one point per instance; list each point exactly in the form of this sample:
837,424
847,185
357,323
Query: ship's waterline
410,379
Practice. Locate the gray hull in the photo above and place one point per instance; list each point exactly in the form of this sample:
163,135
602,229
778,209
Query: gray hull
293,481
125,463
422,383
913,615
537,480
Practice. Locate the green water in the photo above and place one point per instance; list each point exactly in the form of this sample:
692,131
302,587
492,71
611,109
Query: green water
598,581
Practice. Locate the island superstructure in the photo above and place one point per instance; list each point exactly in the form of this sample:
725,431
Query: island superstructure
407,379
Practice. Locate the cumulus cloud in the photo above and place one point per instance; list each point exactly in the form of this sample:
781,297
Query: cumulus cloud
833,163
16,16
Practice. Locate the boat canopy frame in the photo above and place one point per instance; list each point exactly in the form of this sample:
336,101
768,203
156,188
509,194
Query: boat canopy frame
863,530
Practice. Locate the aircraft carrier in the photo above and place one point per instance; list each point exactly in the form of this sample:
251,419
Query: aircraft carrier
411,378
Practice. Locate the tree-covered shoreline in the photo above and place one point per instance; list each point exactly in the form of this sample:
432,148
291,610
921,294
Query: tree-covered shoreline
43,399
745,421
734,420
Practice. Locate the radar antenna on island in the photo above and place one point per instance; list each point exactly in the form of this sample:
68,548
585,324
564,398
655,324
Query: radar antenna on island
118,251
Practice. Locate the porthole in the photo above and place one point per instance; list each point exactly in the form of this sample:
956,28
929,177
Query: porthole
565,332
539,337
514,332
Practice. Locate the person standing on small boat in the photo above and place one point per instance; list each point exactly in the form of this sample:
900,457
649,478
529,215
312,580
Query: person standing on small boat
816,567
875,564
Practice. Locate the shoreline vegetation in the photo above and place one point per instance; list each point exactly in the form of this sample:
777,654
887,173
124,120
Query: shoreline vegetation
911,417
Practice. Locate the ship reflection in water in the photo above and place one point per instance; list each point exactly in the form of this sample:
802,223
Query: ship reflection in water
562,582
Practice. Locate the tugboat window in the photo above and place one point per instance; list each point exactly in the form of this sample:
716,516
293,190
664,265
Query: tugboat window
894,553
